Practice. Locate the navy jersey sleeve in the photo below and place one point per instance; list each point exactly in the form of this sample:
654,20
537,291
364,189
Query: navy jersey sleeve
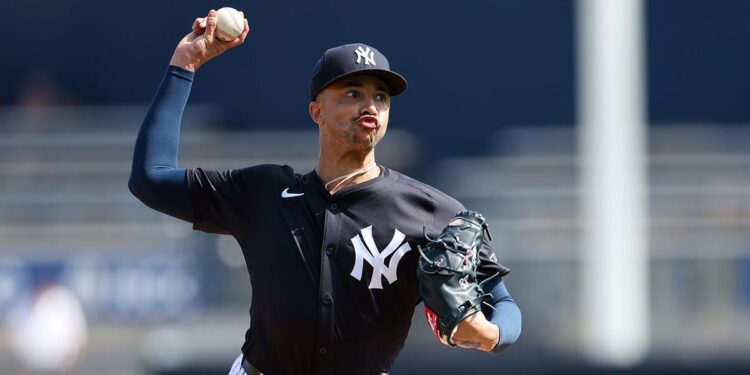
489,265
222,200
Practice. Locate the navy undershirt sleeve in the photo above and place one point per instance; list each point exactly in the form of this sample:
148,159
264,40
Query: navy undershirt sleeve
155,178
506,314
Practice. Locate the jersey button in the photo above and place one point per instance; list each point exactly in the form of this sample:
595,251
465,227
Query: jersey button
333,206
323,350
329,250
327,300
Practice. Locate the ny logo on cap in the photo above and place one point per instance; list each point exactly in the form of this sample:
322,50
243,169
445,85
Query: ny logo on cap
367,54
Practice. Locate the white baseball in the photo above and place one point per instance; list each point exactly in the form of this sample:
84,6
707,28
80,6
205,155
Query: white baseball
230,24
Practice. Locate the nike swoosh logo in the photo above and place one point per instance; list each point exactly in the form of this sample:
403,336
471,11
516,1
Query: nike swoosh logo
287,194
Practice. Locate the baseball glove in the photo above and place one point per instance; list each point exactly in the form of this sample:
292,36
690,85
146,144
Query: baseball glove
447,274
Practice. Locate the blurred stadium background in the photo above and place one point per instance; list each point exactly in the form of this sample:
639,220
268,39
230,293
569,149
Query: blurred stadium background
158,298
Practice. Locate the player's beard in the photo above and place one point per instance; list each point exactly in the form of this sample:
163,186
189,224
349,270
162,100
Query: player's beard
355,137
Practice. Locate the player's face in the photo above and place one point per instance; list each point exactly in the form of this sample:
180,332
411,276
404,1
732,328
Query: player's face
353,111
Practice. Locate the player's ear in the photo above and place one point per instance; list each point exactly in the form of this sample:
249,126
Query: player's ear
315,111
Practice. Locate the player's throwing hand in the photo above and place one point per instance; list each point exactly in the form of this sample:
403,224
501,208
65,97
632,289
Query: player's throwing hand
201,44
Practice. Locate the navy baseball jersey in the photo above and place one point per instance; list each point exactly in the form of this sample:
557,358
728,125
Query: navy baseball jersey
333,276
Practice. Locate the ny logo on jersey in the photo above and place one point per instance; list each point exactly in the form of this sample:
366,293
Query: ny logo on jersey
368,55
368,251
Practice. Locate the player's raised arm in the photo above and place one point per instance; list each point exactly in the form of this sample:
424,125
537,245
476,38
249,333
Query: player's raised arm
155,178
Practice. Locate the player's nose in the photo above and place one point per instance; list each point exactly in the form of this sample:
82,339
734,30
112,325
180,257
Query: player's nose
370,107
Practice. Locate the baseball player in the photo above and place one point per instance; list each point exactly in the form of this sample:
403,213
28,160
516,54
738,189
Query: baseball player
332,254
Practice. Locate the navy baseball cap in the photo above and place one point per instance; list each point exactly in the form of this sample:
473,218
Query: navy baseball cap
350,59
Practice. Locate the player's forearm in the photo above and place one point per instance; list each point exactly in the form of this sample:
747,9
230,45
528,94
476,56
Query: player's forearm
154,177
506,315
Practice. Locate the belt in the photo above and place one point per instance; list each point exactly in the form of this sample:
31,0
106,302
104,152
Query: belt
249,369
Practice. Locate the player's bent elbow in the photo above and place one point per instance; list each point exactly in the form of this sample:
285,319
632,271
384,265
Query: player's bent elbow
163,190
134,186
139,186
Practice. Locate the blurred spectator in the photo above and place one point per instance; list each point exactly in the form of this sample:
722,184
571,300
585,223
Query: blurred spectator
40,89
49,334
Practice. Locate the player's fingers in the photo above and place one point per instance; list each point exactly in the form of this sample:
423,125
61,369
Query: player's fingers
199,27
241,38
199,23
211,21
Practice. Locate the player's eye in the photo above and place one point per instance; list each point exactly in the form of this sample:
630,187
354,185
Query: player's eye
352,94
381,97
